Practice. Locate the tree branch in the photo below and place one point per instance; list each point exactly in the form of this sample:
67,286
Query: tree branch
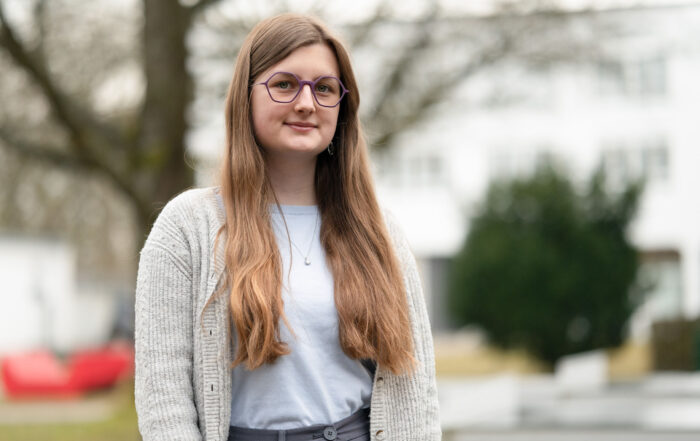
59,105
71,116
41,19
517,36
54,156
437,92
42,153
363,33
202,5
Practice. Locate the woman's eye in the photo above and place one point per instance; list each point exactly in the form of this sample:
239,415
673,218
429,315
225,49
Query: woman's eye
323,88
283,85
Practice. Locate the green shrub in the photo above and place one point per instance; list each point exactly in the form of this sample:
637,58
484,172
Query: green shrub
547,269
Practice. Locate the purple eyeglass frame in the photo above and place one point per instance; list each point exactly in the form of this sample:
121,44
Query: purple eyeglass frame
302,83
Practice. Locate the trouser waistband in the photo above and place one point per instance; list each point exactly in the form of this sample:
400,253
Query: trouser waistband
350,428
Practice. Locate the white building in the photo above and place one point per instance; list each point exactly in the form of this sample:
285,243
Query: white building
637,110
42,303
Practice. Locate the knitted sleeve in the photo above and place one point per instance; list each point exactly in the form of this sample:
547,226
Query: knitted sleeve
423,339
164,395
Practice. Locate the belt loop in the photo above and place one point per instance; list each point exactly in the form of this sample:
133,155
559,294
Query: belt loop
282,435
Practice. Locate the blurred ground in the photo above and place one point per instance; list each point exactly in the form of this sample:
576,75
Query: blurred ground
464,354
570,435
461,364
102,416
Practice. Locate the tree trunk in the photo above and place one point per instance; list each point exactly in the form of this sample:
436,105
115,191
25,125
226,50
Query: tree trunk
161,147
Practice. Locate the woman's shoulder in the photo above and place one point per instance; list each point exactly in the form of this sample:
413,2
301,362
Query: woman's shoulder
190,212
190,199
193,205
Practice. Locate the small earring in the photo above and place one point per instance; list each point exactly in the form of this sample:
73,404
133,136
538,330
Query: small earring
330,148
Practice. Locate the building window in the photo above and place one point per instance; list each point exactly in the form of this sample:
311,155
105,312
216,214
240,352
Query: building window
414,170
514,163
640,78
655,163
651,77
659,278
611,78
626,161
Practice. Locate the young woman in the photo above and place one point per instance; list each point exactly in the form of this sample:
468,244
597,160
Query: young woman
283,304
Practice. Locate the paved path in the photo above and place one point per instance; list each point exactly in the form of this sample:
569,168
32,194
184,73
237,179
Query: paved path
95,407
571,435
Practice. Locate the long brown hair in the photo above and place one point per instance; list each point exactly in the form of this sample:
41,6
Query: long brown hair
368,288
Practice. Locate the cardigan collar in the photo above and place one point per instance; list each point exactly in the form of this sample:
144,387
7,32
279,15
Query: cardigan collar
218,221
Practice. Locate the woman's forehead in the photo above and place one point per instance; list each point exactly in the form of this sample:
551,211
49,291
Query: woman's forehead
308,62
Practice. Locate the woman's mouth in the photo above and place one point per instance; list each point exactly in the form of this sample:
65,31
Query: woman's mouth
301,126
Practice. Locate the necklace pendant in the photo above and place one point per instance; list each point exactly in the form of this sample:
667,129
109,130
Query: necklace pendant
307,261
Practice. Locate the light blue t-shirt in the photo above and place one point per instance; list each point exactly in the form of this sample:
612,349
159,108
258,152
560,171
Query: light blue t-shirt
316,383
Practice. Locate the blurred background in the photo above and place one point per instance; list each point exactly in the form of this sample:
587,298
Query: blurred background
541,157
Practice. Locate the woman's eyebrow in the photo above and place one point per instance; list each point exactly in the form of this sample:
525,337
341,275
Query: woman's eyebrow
330,74
321,76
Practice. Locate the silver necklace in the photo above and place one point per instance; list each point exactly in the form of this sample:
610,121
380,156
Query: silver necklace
307,261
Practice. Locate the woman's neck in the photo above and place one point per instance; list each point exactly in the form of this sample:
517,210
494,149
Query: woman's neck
293,181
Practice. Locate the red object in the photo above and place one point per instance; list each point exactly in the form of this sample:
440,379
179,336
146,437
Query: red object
100,368
36,374
41,374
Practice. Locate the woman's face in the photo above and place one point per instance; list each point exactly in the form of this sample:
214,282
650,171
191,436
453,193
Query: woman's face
302,127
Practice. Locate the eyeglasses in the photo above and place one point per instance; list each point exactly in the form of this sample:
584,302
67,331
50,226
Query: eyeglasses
284,87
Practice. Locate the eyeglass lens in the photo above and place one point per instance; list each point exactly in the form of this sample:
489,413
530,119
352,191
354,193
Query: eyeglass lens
284,87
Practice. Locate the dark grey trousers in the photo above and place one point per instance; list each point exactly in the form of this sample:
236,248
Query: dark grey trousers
353,428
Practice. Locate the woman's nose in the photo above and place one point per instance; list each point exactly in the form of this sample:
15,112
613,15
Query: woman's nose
305,100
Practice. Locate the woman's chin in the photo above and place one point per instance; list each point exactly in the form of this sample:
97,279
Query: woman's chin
297,151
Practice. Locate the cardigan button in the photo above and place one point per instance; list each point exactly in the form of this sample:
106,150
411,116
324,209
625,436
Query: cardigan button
380,435
380,381
330,433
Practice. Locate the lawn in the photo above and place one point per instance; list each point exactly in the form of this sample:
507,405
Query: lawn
121,426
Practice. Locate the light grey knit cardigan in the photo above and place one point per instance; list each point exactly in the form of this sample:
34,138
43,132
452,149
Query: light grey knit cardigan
183,351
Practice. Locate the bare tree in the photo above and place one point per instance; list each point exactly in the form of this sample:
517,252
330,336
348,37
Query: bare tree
141,154
425,58
139,151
